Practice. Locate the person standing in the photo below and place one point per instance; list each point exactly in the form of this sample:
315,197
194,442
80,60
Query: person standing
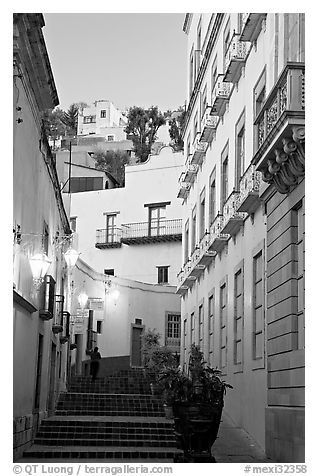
95,357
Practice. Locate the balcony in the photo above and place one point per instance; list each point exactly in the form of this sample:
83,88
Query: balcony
251,26
220,95
208,125
235,58
151,232
218,240
199,150
184,190
195,269
190,173
205,256
108,238
249,191
280,131
232,219
173,343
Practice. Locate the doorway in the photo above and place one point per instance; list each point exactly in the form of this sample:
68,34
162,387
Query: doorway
52,389
137,332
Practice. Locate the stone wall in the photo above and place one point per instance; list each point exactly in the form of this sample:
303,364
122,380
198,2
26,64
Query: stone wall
285,413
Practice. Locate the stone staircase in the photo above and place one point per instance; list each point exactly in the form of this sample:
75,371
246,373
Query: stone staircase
115,419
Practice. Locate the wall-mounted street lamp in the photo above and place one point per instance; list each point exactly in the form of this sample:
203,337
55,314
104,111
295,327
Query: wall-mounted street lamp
71,256
39,265
82,299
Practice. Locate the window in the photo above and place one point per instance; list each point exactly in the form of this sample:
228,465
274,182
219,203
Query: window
258,307
240,22
185,339
138,321
103,113
194,227
214,73
240,150
211,311
201,317
110,227
45,238
226,41
195,126
212,198
163,274
238,316
89,119
204,101
223,325
85,184
174,326
99,327
202,214
259,93
192,336
110,272
186,242
157,223
73,224
110,138
299,217
191,72
188,147
224,183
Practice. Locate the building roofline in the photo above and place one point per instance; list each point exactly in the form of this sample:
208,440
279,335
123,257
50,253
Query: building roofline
187,22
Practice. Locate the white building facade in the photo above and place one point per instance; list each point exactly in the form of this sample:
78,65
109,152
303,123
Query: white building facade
134,232
103,119
241,301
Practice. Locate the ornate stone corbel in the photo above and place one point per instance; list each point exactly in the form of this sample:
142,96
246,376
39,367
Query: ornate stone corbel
273,166
280,185
287,176
280,156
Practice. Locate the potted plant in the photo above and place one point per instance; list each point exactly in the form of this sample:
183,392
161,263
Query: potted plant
197,402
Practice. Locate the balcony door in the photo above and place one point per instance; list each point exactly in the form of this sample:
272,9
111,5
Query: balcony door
110,228
157,224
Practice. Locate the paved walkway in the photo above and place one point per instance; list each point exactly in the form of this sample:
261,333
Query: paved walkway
234,445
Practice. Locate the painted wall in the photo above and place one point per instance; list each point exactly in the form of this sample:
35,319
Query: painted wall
34,202
256,390
151,182
133,300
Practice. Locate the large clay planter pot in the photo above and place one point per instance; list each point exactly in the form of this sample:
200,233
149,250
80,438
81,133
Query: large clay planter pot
197,426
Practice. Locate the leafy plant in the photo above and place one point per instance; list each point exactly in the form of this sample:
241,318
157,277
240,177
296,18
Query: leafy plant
143,125
176,123
112,161
201,384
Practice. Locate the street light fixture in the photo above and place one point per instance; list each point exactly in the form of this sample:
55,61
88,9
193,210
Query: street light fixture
71,256
39,265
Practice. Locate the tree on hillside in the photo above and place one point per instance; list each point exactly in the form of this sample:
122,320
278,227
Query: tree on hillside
70,119
112,161
52,123
176,124
143,125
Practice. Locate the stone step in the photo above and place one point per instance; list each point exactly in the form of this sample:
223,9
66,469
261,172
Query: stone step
86,422
112,452
112,441
75,411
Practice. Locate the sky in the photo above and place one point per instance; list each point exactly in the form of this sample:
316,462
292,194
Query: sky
128,58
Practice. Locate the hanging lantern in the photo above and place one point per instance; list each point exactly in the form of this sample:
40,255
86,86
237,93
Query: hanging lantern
82,299
39,266
71,256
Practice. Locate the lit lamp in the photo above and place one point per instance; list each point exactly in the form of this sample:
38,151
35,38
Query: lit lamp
39,265
82,299
71,256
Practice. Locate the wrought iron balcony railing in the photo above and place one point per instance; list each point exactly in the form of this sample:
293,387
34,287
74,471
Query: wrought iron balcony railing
220,95
251,26
235,58
152,231
190,173
217,238
199,150
287,95
249,190
232,219
280,128
208,125
184,189
108,238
